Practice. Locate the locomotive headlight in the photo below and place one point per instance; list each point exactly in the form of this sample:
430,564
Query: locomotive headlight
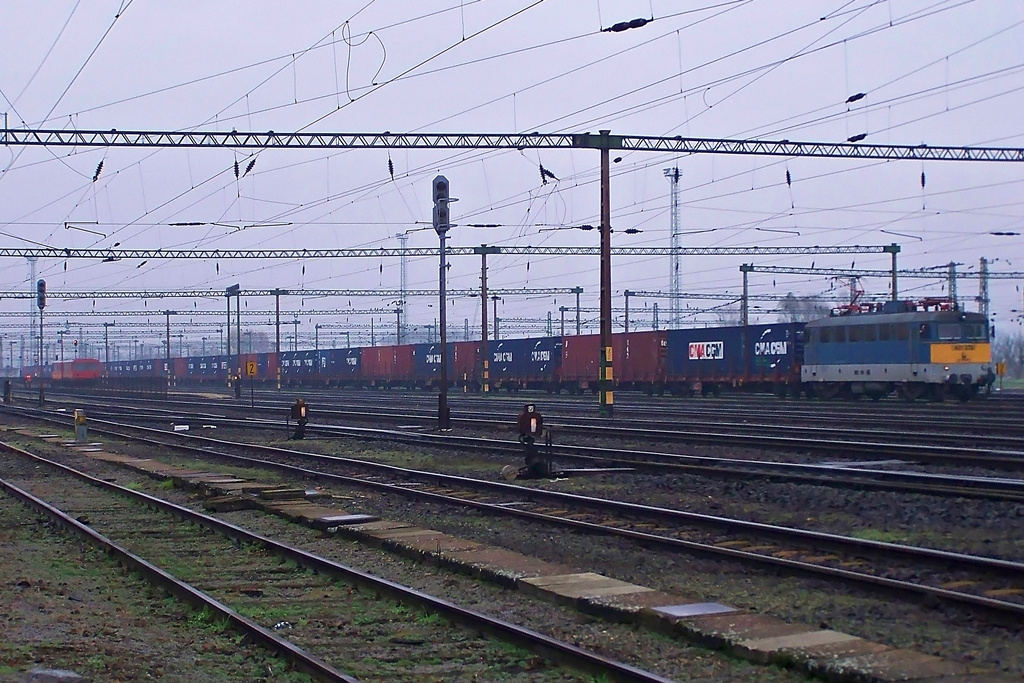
947,368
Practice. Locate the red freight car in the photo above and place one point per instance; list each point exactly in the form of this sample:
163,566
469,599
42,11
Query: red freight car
466,369
179,370
388,366
580,363
638,361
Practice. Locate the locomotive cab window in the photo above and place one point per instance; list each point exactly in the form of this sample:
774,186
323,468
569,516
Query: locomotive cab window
924,331
884,332
902,331
975,332
824,335
949,331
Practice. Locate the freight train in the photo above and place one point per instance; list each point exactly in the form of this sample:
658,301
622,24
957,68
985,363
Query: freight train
911,349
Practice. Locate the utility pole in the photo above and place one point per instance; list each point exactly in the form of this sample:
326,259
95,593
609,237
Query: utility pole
106,340
952,285
745,268
403,280
673,177
277,330
494,300
577,291
238,330
606,379
32,309
295,337
983,288
654,320
485,357
562,310
626,325
894,249
170,367
229,292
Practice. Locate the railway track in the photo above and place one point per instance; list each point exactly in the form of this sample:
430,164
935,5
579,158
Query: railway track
230,572
985,585
1004,454
862,475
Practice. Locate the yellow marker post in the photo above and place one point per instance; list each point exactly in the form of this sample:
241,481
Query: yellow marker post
81,428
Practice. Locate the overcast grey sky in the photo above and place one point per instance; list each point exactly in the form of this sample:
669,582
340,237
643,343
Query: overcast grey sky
935,72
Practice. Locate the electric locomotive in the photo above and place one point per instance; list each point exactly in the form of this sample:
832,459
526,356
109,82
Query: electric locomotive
923,349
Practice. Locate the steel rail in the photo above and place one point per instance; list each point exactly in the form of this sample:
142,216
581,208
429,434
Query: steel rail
552,648
302,660
988,488
854,444
992,488
1001,608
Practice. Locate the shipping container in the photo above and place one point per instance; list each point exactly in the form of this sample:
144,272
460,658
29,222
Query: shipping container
706,360
639,360
300,367
466,365
426,363
580,360
526,363
179,369
775,354
207,369
343,367
269,368
388,366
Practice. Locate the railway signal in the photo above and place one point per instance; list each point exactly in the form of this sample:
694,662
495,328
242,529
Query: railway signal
442,222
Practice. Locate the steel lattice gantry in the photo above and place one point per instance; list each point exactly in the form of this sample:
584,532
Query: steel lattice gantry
310,293
920,273
604,140
118,254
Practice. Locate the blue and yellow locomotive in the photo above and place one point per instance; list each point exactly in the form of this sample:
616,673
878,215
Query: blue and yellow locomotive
917,349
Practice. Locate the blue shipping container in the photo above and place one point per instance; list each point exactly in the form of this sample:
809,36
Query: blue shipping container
526,361
342,365
705,354
426,362
774,351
